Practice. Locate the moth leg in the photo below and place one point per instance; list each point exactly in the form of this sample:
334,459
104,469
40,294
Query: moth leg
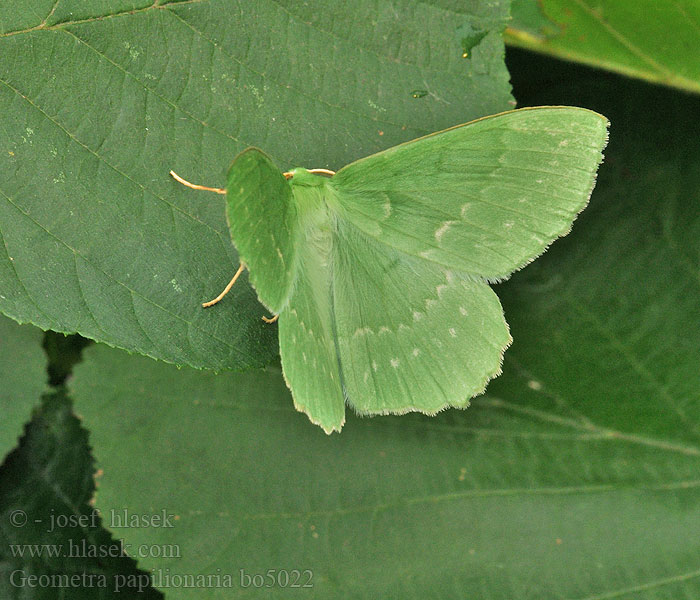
194,186
272,320
226,289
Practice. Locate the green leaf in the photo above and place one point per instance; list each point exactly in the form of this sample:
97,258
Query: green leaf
97,239
651,39
52,543
574,477
23,377
505,499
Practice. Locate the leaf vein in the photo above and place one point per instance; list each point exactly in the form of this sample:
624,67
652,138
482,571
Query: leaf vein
634,362
401,503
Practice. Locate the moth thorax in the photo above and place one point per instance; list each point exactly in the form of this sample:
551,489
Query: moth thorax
305,178
310,191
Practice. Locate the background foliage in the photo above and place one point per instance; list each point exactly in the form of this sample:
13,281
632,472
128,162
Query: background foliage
574,476
652,40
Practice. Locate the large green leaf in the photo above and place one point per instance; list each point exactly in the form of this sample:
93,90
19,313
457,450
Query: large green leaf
101,99
575,476
22,378
656,40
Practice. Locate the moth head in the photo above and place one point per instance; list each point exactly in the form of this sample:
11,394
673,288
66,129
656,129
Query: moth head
304,177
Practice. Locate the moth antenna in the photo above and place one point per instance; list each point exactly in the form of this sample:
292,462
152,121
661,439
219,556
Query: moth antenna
289,174
272,320
226,289
194,186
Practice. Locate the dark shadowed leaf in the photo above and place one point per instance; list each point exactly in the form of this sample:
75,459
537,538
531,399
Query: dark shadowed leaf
52,543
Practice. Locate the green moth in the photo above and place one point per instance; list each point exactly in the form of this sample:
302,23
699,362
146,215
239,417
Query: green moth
380,272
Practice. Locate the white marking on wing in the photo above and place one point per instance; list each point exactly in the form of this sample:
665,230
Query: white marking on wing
442,230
